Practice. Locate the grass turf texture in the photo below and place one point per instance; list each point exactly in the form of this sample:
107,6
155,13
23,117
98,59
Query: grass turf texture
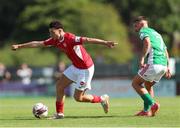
17,112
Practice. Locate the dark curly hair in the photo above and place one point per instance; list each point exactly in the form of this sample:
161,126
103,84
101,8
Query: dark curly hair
56,24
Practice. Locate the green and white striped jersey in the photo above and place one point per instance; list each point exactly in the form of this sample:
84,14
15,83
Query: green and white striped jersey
157,54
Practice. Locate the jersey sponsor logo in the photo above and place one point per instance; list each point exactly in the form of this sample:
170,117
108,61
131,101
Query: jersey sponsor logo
77,39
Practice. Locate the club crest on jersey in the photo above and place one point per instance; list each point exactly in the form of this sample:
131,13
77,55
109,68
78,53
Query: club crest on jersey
82,83
77,39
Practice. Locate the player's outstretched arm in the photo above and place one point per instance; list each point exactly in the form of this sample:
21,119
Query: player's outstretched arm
109,44
32,44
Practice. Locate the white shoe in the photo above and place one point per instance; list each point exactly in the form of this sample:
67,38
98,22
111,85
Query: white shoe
105,102
57,116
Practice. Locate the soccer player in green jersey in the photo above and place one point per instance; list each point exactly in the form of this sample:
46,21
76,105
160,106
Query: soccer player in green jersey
156,67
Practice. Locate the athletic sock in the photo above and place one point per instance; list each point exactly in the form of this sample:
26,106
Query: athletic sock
146,106
148,101
96,99
59,107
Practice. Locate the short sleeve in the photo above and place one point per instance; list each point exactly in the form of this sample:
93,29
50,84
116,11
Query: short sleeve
77,40
143,35
49,42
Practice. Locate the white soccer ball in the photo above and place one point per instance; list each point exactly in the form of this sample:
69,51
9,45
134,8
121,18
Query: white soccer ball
40,110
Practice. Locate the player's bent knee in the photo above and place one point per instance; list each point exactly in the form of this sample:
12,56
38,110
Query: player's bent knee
134,83
78,98
79,95
137,81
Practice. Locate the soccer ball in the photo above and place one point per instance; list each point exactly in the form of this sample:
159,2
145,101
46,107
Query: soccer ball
40,110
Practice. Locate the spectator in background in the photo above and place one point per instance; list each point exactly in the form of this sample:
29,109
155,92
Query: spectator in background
5,75
60,69
25,74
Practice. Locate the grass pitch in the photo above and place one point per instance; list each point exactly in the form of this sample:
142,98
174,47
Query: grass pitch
17,112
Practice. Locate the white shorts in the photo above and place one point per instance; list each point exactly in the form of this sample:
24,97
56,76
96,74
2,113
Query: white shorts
81,77
152,72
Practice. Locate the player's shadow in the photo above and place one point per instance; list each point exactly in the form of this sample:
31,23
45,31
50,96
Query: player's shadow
19,118
72,117
108,116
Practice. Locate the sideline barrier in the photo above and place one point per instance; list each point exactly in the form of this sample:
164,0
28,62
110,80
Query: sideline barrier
115,88
10,89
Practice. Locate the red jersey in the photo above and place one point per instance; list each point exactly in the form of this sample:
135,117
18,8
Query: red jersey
72,46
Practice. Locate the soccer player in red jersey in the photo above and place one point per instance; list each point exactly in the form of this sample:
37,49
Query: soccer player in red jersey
80,72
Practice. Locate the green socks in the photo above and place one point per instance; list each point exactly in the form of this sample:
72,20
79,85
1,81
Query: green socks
148,101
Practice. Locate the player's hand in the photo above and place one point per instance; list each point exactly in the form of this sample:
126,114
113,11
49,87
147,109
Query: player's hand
111,44
15,47
141,63
168,74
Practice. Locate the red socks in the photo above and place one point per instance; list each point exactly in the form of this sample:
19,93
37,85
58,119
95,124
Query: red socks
59,107
96,99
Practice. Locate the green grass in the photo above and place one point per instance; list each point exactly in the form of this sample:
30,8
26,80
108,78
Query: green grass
17,112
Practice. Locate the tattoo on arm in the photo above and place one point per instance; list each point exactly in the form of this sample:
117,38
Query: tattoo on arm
94,40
